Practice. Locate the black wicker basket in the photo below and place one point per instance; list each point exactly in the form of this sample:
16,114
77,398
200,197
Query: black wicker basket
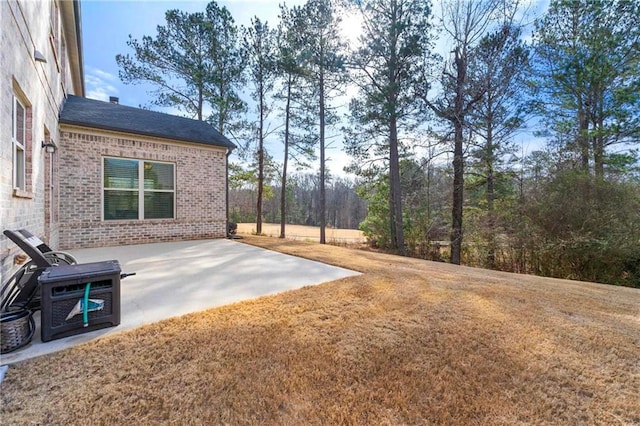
16,329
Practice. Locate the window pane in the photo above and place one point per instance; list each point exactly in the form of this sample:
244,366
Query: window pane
19,167
20,123
120,173
158,176
158,205
120,205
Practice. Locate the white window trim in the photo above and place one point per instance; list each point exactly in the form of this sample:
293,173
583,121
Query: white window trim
141,189
16,146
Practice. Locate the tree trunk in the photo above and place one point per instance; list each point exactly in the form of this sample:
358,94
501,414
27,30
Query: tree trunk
395,188
598,156
458,198
489,154
260,164
395,208
598,139
491,240
322,165
458,160
283,189
200,102
583,135
222,110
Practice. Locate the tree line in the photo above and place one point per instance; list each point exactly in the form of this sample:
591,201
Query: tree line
344,207
444,94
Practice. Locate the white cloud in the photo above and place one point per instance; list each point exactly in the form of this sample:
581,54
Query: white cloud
100,84
104,75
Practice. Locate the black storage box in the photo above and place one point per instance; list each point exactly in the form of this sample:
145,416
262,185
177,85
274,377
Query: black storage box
61,289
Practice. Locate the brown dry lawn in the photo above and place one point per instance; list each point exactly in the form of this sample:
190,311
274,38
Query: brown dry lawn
301,232
407,342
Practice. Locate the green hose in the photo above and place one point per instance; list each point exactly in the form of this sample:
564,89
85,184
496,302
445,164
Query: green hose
85,305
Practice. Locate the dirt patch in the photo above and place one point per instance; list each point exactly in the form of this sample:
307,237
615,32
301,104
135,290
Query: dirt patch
301,232
407,342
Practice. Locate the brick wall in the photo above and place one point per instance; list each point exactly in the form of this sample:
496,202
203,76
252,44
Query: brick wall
200,189
25,27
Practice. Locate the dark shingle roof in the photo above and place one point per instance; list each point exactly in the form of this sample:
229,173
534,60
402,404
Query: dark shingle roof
121,118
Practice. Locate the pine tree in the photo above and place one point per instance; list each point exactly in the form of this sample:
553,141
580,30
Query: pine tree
260,45
193,62
395,46
295,95
465,22
323,51
588,68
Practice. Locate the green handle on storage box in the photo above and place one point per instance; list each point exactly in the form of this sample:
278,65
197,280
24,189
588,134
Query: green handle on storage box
85,306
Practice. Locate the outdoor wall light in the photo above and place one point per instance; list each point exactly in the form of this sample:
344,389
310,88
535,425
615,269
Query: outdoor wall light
49,147
38,56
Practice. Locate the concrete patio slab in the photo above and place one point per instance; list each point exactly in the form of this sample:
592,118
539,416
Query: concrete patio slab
178,278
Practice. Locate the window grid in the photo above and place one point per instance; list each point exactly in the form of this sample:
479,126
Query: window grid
140,189
18,140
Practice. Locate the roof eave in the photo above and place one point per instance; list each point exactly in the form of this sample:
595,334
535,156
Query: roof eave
71,19
230,148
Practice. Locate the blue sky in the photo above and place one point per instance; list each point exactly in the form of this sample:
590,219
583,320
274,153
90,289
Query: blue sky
106,26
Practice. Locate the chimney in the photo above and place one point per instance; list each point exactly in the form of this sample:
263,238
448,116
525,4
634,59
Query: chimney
114,100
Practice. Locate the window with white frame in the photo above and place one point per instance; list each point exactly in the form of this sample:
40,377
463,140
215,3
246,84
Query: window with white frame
137,189
54,34
18,142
